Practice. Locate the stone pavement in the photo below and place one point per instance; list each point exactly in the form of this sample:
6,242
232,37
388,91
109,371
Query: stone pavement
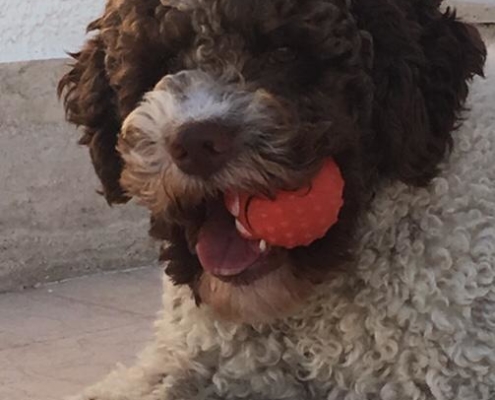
58,339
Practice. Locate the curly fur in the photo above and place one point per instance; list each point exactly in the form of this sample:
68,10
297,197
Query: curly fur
414,320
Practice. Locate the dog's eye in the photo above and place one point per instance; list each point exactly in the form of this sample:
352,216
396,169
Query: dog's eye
282,55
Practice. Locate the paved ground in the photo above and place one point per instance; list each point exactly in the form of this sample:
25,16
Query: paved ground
60,338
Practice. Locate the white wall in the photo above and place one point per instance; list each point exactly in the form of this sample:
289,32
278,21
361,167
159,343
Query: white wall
44,29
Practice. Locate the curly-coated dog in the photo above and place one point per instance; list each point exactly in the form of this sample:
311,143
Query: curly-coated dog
183,100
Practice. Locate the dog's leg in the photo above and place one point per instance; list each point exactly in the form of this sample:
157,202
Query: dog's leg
135,383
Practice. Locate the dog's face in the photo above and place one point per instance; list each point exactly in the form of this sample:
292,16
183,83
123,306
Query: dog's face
201,97
255,100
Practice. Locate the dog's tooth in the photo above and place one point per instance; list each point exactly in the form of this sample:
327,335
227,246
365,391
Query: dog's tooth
241,229
263,246
235,207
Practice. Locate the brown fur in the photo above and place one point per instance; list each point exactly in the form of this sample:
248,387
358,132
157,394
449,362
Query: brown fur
376,84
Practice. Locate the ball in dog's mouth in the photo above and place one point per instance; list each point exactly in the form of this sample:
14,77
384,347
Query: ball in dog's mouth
227,248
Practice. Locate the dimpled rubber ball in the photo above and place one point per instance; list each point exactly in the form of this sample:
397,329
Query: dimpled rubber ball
292,219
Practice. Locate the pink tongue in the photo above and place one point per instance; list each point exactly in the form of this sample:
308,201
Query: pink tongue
221,250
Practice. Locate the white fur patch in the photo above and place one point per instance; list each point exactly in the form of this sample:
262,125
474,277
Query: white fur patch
192,96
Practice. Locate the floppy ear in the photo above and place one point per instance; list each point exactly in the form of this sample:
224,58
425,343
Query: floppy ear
90,102
421,77
130,52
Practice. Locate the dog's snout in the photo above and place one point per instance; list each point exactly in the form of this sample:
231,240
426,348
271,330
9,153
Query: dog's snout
203,148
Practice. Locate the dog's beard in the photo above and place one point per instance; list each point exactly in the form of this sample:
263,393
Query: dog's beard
273,295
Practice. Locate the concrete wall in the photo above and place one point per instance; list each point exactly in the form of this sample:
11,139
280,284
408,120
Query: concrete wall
479,11
43,29
52,223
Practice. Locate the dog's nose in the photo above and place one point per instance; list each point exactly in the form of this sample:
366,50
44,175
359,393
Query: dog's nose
203,148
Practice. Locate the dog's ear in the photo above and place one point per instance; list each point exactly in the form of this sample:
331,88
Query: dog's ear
90,102
420,92
131,49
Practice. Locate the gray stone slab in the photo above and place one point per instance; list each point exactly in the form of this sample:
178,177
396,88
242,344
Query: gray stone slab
58,339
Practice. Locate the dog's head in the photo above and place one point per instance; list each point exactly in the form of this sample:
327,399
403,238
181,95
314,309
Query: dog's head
202,97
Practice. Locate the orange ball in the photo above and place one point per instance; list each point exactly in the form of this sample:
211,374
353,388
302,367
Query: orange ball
295,218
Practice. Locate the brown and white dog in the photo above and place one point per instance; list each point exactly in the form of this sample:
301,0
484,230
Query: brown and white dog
181,100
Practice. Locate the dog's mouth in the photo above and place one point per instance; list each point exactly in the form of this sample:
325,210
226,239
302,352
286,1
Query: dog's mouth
221,249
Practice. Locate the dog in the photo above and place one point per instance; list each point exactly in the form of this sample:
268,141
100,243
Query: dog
183,100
